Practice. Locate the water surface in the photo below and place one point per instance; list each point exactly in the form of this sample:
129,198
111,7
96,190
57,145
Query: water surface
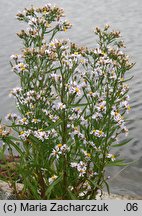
85,16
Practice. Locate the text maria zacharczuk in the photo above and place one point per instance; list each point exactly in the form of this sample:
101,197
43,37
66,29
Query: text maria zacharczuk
54,206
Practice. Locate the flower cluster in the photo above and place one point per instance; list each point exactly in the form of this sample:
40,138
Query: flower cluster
98,133
59,150
72,103
111,156
4,132
81,167
40,21
52,179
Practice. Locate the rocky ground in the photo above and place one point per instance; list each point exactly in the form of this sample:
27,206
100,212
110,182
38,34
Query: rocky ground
118,197
6,194
6,191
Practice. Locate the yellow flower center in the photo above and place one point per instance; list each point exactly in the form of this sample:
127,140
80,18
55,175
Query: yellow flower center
88,154
77,90
90,93
35,120
44,11
64,29
103,53
52,44
128,107
24,119
78,109
27,113
40,129
59,145
23,68
54,177
82,61
48,25
101,107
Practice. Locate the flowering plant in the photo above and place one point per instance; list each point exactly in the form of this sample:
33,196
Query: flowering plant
71,104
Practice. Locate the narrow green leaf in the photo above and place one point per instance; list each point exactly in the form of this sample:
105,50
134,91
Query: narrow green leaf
51,187
17,148
13,138
117,164
122,143
33,189
107,187
121,163
128,79
73,197
78,105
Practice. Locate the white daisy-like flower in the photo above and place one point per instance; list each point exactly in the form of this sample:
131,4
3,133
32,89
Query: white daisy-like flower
35,120
87,155
74,88
12,116
55,153
56,77
101,107
59,106
113,75
41,135
54,118
52,179
74,164
54,43
97,115
91,94
32,21
59,149
117,117
111,156
21,67
81,165
15,91
25,134
126,105
98,133
17,57
23,121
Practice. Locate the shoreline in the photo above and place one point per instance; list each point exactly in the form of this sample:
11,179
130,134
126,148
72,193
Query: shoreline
6,194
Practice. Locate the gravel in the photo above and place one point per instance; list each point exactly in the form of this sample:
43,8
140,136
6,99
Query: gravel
6,194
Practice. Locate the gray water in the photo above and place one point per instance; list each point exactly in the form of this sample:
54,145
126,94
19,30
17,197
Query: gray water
124,15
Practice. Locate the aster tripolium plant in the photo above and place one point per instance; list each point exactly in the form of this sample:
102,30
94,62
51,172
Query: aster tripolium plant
71,104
